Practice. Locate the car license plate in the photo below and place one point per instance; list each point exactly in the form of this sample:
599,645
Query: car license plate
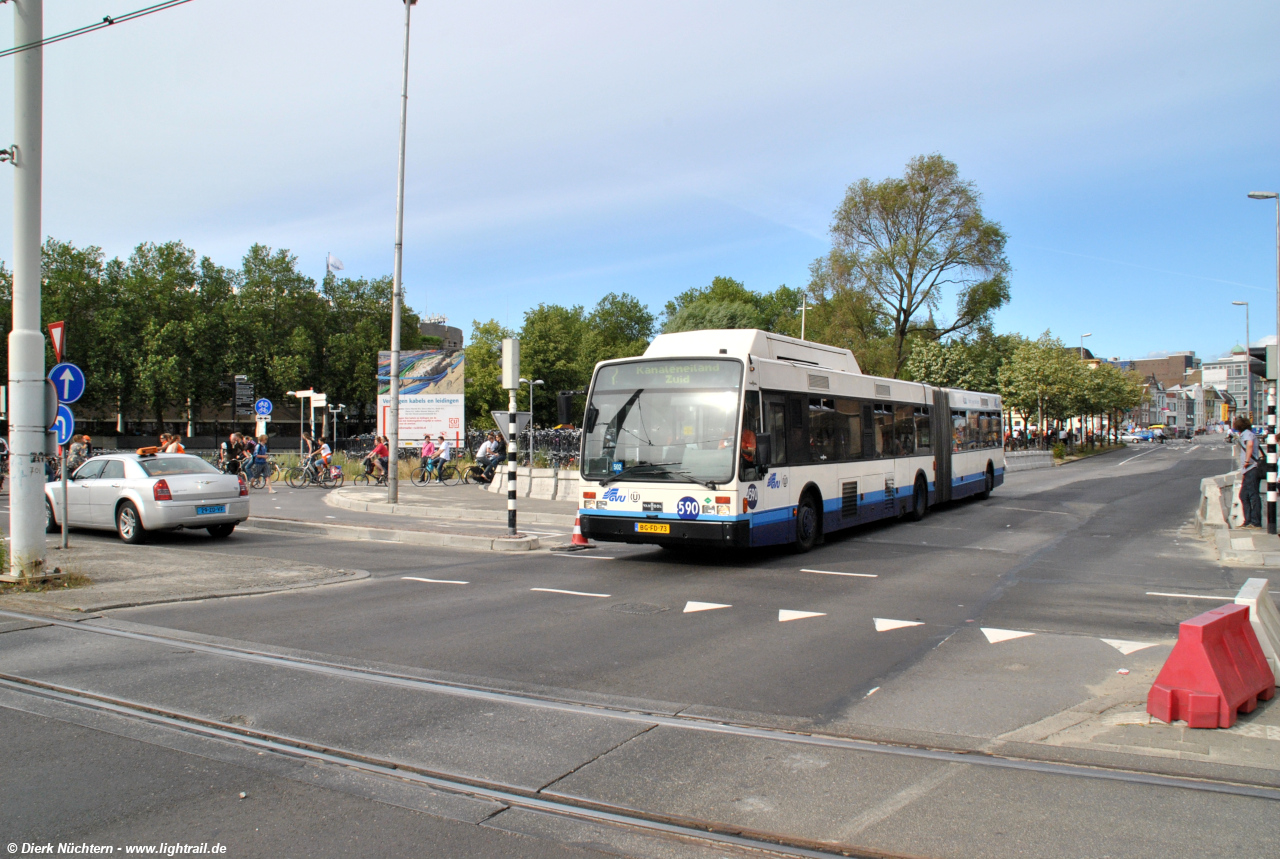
219,508
652,528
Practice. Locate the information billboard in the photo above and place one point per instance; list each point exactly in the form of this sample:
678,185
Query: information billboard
432,387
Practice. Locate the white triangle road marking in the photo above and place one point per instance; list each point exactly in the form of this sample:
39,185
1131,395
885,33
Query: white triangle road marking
1127,647
703,606
995,636
885,624
785,615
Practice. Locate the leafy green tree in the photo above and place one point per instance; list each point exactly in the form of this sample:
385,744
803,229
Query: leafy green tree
907,241
484,375
619,326
1042,378
727,303
551,350
843,312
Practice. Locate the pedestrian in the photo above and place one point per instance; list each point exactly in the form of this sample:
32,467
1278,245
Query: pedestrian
76,453
229,454
1250,474
261,465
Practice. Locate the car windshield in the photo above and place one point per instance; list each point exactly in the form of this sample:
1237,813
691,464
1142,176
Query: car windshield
673,420
163,466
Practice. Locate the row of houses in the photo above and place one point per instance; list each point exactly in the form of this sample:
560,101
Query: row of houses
1188,395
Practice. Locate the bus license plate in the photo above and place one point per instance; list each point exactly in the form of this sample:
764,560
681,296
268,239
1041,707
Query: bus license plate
652,528
220,508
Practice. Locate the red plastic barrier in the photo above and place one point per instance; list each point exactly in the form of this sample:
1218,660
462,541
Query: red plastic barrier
1215,669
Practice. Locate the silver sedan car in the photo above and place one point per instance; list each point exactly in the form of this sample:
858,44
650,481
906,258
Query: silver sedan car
135,493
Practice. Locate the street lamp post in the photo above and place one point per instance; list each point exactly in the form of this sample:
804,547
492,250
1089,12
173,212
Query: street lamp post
1248,362
1271,396
397,285
1082,336
531,384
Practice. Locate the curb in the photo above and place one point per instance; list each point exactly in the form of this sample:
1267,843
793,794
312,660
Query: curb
389,535
337,499
93,608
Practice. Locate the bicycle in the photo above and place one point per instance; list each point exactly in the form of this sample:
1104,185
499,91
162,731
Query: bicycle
447,474
301,476
259,481
370,475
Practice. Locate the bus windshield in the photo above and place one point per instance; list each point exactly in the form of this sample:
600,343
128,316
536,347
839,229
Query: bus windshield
664,420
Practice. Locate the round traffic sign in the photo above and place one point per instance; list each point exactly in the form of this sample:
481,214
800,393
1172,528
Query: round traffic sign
69,380
262,407
65,425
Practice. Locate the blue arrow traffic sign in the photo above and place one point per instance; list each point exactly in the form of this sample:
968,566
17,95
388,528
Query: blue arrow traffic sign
262,407
69,380
65,425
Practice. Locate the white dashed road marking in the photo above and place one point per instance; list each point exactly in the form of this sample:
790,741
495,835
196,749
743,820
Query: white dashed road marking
703,606
785,615
434,581
570,593
995,636
885,624
1190,596
1127,647
834,573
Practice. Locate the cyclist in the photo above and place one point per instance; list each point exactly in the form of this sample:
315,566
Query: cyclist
260,465
444,452
488,455
324,458
229,454
379,455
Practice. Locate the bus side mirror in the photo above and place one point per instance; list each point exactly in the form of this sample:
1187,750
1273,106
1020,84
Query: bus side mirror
589,424
764,451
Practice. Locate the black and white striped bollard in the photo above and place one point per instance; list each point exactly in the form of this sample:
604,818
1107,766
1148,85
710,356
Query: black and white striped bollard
1271,458
511,464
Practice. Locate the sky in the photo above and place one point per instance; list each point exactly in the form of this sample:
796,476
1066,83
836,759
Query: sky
558,151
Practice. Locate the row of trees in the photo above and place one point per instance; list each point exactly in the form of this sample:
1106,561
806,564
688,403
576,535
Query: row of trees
164,329
1042,379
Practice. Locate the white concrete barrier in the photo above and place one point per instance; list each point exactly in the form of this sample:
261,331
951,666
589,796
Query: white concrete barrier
1264,618
547,483
1025,460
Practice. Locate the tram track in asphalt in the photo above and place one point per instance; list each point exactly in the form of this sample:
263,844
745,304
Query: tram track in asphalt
663,717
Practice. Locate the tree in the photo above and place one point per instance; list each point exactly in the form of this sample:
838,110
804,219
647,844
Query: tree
551,349
484,377
727,303
619,326
843,313
907,241
1041,378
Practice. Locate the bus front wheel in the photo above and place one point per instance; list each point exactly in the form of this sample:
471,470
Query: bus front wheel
806,524
989,483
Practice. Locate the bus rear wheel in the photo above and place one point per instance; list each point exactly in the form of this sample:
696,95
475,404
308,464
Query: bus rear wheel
806,524
989,483
919,500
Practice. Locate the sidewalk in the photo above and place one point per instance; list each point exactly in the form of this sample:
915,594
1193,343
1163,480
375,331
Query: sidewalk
463,516
125,575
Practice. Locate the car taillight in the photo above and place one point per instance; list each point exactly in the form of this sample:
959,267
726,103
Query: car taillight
161,491
244,487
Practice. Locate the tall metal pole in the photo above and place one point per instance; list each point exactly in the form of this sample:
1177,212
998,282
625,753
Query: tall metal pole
26,343
1248,365
397,286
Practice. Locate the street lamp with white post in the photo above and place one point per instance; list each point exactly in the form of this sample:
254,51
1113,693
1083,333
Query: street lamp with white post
1271,418
531,384
1248,361
397,284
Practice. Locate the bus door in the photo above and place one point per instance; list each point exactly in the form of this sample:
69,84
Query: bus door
942,444
775,489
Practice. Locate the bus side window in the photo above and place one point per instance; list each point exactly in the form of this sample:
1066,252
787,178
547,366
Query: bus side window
904,431
850,429
959,431
924,429
775,424
884,430
973,435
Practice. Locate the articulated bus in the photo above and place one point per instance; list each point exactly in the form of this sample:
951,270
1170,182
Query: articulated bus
746,438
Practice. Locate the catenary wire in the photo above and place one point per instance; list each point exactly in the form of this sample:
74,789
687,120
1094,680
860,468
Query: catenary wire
107,21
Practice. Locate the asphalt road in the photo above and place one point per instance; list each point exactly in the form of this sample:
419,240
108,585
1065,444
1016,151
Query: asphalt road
952,632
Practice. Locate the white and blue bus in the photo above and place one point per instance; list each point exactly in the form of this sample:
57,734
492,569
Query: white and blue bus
746,438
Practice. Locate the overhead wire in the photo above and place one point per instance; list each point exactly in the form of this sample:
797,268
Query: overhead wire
107,21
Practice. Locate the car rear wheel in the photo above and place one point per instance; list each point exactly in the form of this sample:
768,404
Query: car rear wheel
221,531
50,522
129,524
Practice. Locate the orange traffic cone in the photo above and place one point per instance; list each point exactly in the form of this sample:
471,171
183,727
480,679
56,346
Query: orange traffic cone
579,542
